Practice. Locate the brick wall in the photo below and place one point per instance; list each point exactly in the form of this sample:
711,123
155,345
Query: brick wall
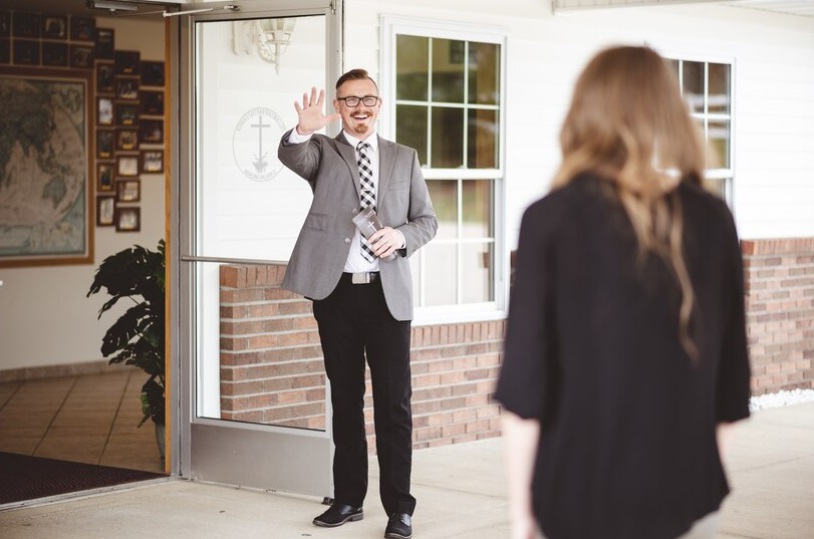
779,280
271,361
455,369
272,373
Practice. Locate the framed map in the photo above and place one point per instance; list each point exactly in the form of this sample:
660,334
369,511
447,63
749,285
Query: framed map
46,214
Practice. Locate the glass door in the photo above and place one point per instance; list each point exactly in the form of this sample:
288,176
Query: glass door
255,410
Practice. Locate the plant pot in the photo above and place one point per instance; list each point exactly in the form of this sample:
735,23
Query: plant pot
160,438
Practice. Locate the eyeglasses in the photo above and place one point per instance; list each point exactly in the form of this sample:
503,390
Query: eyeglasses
353,100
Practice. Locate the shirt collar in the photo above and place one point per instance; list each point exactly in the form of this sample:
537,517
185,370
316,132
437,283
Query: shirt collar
373,140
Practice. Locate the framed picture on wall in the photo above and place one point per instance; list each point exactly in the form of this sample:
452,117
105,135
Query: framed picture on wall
26,24
57,226
105,143
152,102
105,172
128,219
105,210
126,139
5,24
54,54
127,88
127,62
127,165
83,28
105,78
152,161
126,114
151,131
5,51
152,73
26,52
105,44
128,190
104,111
54,27
81,57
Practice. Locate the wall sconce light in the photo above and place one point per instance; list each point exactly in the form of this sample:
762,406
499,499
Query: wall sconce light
268,38
272,38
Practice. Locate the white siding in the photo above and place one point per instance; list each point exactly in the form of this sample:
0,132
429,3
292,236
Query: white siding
773,56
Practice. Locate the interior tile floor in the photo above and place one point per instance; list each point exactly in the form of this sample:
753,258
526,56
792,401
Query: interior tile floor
91,419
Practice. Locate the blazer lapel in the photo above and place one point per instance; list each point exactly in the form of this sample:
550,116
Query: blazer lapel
387,161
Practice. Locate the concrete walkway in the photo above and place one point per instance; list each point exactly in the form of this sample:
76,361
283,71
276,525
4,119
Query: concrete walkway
771,471
460,490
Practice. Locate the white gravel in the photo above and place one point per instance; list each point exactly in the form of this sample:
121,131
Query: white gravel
780,399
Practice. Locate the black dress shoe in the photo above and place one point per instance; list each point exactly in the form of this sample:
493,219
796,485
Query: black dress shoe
338,514
400,526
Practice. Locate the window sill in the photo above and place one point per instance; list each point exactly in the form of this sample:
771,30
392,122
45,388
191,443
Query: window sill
457,315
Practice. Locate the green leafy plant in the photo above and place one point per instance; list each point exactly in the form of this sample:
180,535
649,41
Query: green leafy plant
137,337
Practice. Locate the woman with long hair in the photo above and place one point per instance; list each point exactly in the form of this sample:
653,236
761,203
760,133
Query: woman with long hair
625,351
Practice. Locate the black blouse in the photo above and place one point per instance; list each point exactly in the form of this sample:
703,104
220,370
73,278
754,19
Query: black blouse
628,420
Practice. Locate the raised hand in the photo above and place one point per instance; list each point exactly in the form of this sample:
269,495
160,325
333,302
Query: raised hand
310,114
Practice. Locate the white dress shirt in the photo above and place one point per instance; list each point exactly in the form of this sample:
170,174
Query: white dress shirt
356,263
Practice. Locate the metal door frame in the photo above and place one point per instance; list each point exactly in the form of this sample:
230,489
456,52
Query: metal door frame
201,448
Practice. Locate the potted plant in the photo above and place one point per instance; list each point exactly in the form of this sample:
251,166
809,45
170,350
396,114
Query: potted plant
137,337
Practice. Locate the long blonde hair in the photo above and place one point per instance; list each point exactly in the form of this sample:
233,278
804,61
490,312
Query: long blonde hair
628,124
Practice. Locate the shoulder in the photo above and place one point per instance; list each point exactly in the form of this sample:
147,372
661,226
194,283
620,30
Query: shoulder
562,204
319,139
315,139
389,145
703,198
705,208
330,145
325,140
710,233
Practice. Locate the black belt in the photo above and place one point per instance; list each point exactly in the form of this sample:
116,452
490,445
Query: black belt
362,278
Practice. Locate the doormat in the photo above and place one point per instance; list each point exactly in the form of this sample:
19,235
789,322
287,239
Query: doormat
28,478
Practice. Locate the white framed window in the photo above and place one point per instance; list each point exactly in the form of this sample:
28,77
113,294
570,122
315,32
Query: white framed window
707,89
445,97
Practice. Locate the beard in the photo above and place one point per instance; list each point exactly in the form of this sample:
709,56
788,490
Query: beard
361,129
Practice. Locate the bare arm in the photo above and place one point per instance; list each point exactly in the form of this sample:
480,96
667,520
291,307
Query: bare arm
521,437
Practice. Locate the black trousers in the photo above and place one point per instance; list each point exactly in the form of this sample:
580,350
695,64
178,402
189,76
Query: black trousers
354,322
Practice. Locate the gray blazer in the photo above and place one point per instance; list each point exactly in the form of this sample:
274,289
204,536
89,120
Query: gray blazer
402,202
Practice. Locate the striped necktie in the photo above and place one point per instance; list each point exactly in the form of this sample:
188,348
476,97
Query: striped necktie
368,192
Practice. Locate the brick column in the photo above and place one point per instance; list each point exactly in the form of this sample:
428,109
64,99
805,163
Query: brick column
779,280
